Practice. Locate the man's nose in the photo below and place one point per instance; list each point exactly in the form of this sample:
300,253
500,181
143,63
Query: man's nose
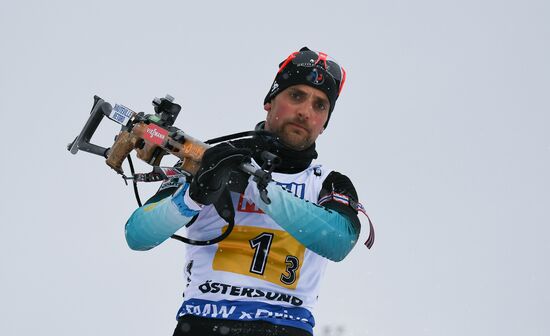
305,110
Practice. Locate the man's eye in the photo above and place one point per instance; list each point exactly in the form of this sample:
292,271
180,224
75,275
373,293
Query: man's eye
296,95
321,106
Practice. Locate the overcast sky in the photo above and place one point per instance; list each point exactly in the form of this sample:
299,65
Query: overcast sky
442,126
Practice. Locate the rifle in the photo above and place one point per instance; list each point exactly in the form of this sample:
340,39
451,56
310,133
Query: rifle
154,136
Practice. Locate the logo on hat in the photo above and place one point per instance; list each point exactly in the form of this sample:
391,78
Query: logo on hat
315,77
274,87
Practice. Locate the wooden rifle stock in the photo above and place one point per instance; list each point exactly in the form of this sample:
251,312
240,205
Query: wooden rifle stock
152,143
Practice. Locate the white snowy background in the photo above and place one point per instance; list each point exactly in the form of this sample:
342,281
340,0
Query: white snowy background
442,126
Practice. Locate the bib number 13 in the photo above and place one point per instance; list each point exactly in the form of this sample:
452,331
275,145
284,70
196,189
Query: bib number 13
261,245
262,253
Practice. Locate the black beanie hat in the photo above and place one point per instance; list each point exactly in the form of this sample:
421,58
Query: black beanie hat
310,68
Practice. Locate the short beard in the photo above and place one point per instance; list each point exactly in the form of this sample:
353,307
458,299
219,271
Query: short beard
298,146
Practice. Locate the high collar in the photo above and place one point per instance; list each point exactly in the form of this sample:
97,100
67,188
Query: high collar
292,161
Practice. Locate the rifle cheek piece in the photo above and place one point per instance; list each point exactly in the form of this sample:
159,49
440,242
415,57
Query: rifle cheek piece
124,144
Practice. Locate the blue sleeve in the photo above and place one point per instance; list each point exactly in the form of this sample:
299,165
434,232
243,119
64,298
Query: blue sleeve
153,223
325,232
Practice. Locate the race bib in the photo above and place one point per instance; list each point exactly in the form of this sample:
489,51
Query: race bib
267,254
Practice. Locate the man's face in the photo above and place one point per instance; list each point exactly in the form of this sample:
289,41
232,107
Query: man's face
297,115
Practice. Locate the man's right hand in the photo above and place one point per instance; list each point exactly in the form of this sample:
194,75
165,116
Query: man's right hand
219,170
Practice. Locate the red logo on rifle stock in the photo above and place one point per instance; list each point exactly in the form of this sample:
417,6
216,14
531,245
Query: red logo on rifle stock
155,134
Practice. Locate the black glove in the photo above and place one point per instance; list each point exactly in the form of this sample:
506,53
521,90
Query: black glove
218,172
